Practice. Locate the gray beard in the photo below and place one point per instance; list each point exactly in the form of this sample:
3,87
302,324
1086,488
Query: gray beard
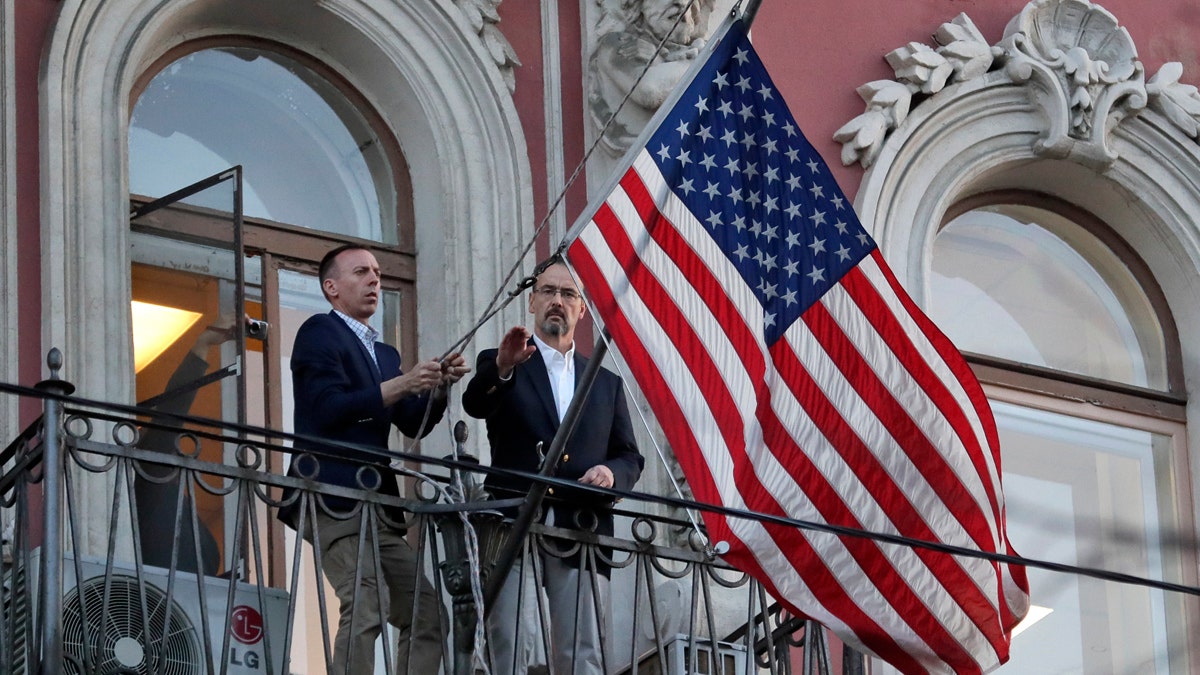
554,328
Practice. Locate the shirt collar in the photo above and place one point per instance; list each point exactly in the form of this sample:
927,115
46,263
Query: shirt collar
361,329
549,352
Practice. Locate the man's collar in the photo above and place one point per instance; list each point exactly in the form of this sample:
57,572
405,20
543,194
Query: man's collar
548,351
353,322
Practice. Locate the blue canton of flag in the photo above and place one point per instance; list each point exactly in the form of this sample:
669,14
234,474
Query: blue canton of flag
738,161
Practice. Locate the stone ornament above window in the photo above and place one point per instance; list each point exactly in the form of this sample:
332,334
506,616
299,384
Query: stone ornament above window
1079,64
483,17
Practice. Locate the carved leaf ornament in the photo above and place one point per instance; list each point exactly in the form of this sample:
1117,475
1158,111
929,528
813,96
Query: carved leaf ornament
1079,63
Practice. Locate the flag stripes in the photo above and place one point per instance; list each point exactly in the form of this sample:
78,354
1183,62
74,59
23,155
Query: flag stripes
675,289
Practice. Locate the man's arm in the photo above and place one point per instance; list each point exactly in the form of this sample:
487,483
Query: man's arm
321,380
494,370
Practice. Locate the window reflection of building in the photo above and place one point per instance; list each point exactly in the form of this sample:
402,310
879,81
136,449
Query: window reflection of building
1044,302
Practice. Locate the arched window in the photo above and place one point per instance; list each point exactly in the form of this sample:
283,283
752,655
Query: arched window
310,155
318,169
1053,309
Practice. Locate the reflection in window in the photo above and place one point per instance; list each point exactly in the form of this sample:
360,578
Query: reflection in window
310,158
1026,284
1087,493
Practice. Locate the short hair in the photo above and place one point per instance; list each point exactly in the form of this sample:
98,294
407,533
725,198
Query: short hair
546,264
327,262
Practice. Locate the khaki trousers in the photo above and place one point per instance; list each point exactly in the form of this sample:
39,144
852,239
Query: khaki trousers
420,644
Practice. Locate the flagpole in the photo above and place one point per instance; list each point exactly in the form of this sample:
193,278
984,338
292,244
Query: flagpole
537,491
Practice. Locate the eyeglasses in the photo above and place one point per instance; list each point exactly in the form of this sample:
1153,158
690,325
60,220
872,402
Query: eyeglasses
548,293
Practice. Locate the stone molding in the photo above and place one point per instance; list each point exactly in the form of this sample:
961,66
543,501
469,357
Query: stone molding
1078,65
484,18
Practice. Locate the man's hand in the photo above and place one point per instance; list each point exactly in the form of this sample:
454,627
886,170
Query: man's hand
454,367
514,350
424,376
599,475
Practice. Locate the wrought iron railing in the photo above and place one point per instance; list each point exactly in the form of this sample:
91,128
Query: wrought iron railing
126,552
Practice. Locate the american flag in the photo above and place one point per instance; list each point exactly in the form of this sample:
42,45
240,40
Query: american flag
793,376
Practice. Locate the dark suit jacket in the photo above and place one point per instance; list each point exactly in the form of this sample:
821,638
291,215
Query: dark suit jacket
336,390
521,412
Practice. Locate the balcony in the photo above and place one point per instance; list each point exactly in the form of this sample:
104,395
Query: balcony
127,552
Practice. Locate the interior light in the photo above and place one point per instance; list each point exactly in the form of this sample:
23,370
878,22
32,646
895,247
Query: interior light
1035,614
156,327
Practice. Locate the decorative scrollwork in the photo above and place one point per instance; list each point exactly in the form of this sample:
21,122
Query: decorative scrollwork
1078,64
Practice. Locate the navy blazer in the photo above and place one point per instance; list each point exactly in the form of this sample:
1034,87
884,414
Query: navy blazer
335,385
521,412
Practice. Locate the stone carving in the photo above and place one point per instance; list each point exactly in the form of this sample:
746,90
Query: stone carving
1179,103
484,18
629,33
1079,64
962,54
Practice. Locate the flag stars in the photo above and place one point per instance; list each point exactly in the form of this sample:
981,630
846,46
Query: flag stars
792,268
702,105
765,93
741,56
713,190
793,239
818,246
754,199
790,297
686,187
863,238
664,153
730,137
743,83
790,129
771,174
742,253
817,275
817,191
714,219
709,162
683,129
746,113
792,154
843,253
705,134
793,210
771,233
726,108
771,205
793,182
756,228
769,290
769,119
769,146
768,319
813,166
735,195
721,81
748,140
732,165
817,218
739,222
841,227
684,157
751,170
837,202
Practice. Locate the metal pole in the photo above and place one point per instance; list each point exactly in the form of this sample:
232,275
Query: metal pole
52,554
537,491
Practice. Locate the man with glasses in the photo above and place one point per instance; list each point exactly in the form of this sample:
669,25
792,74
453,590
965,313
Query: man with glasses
523,389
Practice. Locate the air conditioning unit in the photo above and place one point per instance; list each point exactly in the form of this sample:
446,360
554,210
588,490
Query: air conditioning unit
116,623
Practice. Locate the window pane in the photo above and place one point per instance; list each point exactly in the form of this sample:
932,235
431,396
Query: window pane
1026,284
1098,495
310,158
